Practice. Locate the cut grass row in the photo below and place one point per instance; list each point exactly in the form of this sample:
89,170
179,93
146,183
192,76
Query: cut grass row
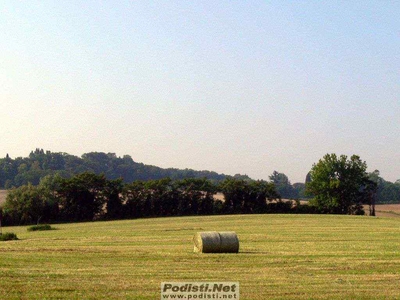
281,257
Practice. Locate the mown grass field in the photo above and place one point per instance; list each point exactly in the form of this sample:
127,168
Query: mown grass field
281,257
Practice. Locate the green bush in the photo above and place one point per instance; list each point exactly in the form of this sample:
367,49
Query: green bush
8,236
40,227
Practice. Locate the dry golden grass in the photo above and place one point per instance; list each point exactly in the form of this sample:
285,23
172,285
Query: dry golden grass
388,210
381,210
281,257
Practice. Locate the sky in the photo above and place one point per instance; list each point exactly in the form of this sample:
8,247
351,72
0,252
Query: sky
243,87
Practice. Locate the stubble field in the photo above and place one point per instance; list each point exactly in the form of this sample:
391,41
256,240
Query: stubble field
281,257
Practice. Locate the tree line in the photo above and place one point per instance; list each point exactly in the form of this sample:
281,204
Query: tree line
88,196
23,170
337,185
44,192
386,192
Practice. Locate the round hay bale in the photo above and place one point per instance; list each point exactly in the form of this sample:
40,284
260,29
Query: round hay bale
229,242
206,242
216,242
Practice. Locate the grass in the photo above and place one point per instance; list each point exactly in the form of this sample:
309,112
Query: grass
281,257
40,227
8,236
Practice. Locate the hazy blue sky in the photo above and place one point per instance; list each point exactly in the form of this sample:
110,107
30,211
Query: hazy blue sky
231,86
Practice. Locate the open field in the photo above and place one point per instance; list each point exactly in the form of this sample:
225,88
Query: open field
388,210
281,257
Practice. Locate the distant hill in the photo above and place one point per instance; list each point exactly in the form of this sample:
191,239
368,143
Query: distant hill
40,163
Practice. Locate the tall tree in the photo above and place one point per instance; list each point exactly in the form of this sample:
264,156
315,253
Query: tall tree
339,185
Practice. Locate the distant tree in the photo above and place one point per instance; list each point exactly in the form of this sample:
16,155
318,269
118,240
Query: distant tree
82,197
260,192
386,191
8,170
136,200
236,193
112,191
308,178
48,187
8,184
243,196
40,163
339,185
25,204
196,196
242,177
300,190
163,196
283,185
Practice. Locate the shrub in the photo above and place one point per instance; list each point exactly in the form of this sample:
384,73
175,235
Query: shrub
279,207
8,236
40,227
307,208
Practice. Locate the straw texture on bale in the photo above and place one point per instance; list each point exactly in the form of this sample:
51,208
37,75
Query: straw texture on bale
216,242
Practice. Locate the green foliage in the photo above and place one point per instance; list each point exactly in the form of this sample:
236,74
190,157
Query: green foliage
40,227
285,189
81,198
300,190
340,185
25,204
88,197
243,196
112,190
29,204
386,191
166,197
283,185
196,196
8,236
40,163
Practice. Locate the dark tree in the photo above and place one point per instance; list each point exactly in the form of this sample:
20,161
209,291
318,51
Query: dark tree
196,196
112,191
136,200
82,197
260,192
236,193
244,196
